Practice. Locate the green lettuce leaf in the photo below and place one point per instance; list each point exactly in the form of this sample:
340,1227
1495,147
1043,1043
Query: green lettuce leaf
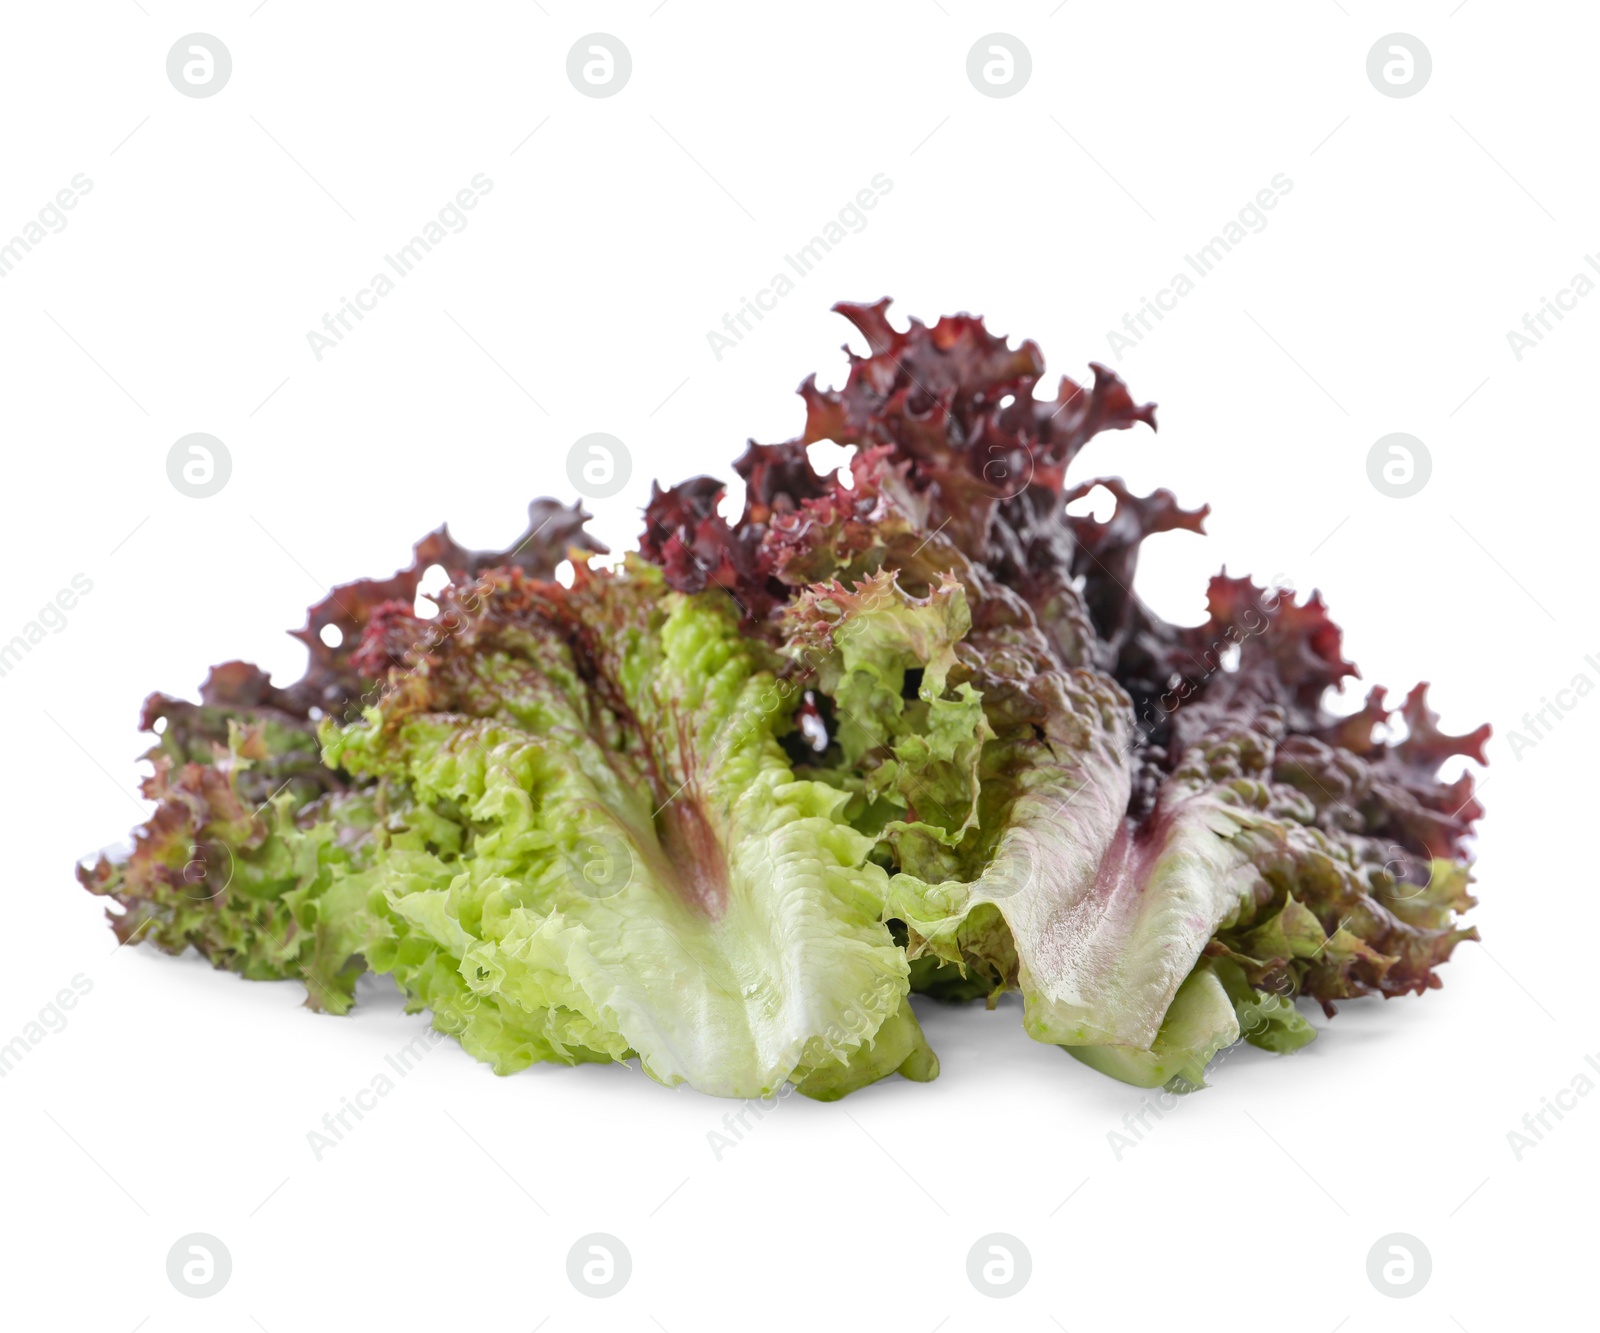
250,828
628,864
1106,921
1199,1022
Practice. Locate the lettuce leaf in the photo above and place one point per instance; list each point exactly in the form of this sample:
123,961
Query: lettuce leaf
631,866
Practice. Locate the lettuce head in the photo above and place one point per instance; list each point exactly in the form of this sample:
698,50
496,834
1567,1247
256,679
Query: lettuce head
721,809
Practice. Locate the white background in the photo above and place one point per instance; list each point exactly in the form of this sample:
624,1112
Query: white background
1378,298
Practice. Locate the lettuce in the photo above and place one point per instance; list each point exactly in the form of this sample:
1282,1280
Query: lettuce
625,862
723,808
